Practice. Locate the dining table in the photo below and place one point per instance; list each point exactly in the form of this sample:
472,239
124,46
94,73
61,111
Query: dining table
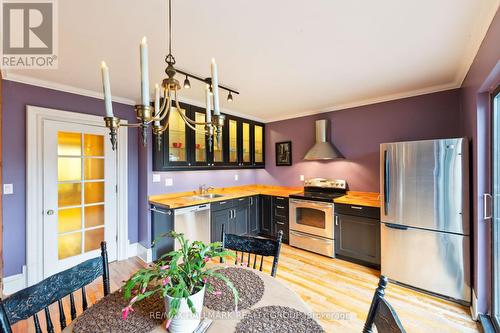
275,293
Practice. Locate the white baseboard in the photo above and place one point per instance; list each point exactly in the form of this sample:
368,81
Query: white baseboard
144,254
132,250
473,307
14,283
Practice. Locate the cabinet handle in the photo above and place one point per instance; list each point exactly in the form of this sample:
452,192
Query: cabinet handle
222,202
241,199
356,207
161,211
251,200
280,207
336,220
280,223
280,198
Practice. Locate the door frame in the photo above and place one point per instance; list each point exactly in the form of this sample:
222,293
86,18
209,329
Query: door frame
35,117
494,306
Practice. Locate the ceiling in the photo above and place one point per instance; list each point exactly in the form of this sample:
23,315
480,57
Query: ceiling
286,57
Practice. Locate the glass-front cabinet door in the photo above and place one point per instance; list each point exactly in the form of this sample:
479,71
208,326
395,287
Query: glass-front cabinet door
177,139
246,147
200,151
258,144
233,138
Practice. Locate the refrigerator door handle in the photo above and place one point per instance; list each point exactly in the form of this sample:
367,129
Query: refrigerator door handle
396,226
487,216
386,182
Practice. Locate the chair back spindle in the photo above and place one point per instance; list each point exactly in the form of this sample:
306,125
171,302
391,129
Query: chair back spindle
48,320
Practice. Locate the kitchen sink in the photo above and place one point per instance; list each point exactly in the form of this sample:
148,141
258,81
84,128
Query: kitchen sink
205,196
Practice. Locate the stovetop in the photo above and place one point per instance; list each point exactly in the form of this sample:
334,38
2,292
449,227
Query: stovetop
319,189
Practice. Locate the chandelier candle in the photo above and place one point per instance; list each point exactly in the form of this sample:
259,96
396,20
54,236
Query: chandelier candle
144,72
106,89
209,107
215,87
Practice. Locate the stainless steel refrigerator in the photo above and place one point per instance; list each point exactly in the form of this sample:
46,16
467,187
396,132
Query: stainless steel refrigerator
425,231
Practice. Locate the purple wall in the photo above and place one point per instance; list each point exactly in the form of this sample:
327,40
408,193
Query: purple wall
15,98
357,133
483,77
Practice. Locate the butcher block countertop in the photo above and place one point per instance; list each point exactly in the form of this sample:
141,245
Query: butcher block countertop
179,200
184,199
369,199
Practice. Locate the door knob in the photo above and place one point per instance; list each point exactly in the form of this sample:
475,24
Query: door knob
50,212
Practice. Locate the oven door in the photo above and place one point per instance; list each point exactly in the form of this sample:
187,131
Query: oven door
312,217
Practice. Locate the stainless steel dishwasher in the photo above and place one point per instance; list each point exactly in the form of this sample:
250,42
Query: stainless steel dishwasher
193,222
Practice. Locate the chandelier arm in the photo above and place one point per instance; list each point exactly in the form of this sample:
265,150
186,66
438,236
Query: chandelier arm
164,110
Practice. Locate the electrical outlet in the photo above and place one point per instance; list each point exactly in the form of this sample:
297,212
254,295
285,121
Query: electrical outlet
302,178
156,178
236,177
169,182
8,188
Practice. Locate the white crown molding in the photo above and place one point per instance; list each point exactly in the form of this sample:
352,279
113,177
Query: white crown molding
62,87
370,101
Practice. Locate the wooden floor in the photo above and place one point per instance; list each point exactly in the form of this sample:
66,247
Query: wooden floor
337,289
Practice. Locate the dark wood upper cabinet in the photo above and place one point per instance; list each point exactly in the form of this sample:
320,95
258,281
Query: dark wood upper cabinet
242,145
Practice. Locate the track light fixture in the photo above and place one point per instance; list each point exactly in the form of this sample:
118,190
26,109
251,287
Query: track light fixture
187,84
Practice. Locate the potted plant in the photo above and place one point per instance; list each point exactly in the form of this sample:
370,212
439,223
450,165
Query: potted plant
181,278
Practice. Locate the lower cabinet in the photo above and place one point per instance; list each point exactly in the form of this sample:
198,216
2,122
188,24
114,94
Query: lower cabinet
240,218
218,220
266,216
234,216
357,237
254,216
162,221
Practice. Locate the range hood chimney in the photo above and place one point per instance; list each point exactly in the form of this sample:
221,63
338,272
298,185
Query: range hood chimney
322,149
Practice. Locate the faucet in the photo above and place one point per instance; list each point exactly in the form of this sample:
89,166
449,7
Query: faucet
204,188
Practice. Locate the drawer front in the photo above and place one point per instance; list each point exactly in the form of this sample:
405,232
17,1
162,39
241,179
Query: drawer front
283,226
219,205
280,201
280,212
355,210
242,201
314,244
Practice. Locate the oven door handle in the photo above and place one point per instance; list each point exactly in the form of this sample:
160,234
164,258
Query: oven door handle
310,203
300,234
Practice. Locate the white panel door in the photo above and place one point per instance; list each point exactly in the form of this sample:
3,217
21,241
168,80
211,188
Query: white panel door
79,194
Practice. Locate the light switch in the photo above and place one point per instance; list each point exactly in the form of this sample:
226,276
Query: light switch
302,178
8,188
236,177
169,182
156,178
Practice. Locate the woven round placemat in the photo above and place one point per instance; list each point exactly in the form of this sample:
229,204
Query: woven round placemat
106,315
249,285
277,319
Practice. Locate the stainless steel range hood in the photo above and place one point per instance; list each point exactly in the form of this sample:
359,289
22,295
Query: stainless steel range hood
322,149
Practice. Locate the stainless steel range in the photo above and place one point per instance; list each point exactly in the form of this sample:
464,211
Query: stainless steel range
312,215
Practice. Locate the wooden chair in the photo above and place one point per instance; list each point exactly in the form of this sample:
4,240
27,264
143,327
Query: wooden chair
381,313
252,245
29,301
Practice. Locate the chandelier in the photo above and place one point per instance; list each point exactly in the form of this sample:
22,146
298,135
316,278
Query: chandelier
159,114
